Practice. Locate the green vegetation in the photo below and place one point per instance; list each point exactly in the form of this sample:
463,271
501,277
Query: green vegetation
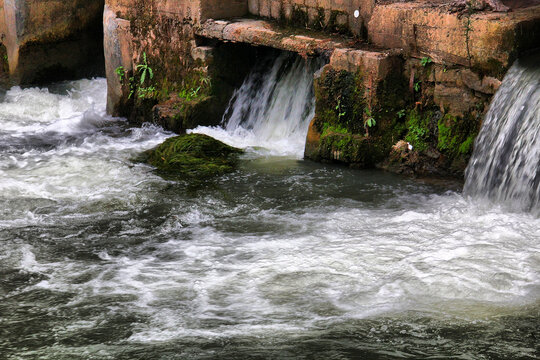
145,71
419,134
137,87
340,112
195,88
340,100
337,129
455,138
425,61
121,72
194,156
369,121
468,28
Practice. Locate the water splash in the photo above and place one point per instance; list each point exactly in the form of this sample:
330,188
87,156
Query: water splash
272,110
505,166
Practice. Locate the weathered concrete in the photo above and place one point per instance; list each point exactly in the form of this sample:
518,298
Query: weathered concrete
488,41
264,33
328,15
51,39
118,52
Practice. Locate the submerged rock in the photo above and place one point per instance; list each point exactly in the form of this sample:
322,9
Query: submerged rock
193,156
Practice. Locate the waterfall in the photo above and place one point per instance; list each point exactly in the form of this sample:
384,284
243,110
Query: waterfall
505,166
271,111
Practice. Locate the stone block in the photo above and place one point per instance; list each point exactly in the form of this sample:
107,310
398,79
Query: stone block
253,7
265,8
275,9
421,30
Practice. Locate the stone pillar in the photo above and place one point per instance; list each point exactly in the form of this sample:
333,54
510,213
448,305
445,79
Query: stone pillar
118,50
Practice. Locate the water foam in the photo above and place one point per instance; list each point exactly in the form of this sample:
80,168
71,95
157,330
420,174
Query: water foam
271,111
505,166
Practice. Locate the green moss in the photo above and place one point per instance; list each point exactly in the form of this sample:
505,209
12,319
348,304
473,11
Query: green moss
456,135
340,100
193,156
467,146
338,129
418,129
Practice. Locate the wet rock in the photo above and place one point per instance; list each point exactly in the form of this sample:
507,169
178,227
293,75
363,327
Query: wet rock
194,156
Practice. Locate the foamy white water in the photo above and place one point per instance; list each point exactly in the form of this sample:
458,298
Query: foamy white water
100,258
61,146
505,167
271,112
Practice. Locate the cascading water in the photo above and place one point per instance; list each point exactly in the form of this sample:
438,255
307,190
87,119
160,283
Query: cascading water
505,166
273,108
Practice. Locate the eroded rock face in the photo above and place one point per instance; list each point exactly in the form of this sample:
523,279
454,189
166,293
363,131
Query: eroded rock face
52,40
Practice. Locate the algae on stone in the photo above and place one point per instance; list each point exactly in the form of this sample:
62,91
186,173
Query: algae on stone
194,156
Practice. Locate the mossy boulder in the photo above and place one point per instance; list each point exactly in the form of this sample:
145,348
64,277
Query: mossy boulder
193,156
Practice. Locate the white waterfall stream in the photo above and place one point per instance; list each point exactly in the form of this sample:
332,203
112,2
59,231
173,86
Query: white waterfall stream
505,166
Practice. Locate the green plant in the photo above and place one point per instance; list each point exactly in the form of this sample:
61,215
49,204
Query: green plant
147,92
121,72
417,86
145,70
369,121
137,87
419,133
468,28
401,113
340,111
329,128
189,94
425,61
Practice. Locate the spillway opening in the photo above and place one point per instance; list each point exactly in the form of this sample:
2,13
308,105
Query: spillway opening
272,100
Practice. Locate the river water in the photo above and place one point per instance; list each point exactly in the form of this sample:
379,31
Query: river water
100,258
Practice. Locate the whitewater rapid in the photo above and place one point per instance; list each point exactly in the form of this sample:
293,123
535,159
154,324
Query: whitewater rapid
101,258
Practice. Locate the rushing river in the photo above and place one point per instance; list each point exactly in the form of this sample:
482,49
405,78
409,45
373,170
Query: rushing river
100,258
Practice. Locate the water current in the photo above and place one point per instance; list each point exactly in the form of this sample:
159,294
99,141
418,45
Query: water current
506,163
100,258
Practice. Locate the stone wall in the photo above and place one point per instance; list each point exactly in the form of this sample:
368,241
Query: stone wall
185,87
329,15
219,9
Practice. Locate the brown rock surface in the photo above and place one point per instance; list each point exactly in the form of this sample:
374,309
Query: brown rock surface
489,41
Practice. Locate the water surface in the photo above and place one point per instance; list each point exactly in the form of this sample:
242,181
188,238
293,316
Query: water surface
100,258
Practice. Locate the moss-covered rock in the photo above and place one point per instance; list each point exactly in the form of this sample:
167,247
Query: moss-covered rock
193,156
356,118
